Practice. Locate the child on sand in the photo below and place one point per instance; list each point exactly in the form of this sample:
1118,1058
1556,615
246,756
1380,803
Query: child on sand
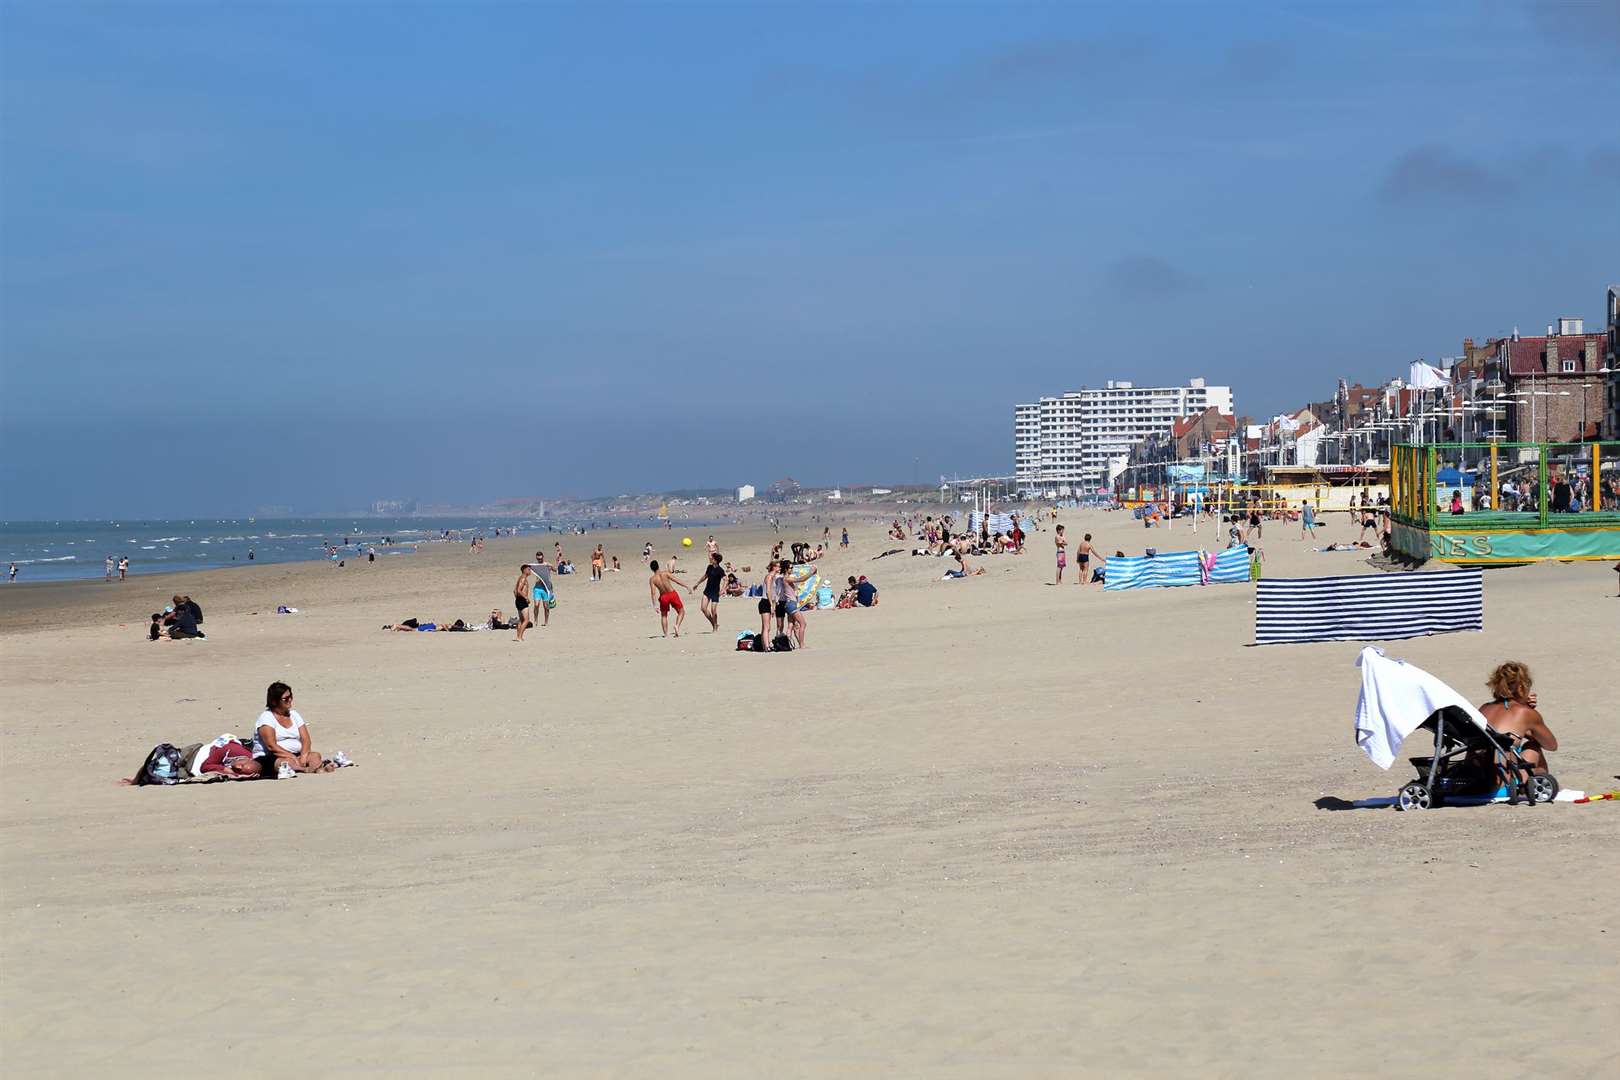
1083,553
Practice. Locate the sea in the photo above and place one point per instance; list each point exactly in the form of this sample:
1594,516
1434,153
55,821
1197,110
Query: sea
77,550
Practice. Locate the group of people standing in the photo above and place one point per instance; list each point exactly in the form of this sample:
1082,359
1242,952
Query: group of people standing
1084,552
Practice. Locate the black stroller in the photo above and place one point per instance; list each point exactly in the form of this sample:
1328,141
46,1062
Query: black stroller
1471,762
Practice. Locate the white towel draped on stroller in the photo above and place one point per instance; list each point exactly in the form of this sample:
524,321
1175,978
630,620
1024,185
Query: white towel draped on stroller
1395,700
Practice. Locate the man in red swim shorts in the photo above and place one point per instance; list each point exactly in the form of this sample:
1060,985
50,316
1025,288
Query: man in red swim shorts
665,588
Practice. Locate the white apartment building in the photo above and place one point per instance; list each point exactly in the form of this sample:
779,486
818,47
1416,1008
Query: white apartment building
1067,441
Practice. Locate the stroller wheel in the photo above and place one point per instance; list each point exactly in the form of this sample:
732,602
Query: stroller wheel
1543,788
1414,796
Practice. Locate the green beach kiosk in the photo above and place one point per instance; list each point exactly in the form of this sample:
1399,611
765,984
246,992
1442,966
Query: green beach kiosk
1493,503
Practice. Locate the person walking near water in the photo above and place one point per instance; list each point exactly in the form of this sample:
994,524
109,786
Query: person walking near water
123,567
665,587
1307,520
598,563
11,575
109,570
1062,544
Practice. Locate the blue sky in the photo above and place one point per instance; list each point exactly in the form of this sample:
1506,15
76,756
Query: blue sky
315,255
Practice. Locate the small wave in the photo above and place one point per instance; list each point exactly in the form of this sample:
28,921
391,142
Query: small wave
163,539
148,547
59,558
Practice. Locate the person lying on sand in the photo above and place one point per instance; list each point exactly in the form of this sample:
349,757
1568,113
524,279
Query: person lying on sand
409,626
225,757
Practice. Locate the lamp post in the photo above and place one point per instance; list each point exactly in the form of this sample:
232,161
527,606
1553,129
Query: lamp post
1536,394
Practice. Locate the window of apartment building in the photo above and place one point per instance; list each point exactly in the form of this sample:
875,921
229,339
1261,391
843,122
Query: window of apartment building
1569,365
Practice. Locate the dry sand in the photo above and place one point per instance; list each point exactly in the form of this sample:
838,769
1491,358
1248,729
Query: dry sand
989,828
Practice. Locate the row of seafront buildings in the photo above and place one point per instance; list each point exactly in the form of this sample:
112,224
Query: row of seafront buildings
1560,387
1075,443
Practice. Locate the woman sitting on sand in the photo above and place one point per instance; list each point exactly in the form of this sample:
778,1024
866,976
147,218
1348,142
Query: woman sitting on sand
282,737
1512,711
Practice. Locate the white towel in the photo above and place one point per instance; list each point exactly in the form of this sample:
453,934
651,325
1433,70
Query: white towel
1395,699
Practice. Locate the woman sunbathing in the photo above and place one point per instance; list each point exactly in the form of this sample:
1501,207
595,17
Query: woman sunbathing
1513,712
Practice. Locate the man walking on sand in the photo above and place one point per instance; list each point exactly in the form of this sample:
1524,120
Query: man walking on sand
1062,543
714,579
666,594
520,600
545,597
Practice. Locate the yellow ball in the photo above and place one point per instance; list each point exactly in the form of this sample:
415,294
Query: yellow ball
686,541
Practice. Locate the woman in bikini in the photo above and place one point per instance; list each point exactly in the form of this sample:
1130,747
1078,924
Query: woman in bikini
1512,711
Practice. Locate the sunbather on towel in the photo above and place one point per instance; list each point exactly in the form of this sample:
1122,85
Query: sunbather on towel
225,755
1513,712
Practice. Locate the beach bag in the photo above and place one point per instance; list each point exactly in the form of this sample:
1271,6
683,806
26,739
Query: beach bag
162,766
782,643
745,643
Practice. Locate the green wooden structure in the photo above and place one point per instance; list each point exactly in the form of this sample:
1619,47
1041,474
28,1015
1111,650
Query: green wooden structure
1519,502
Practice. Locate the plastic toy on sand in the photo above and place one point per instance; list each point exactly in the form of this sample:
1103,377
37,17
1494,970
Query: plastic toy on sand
686,541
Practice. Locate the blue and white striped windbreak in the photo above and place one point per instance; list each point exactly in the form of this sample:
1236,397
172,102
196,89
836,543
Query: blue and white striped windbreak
1368,607
1174,568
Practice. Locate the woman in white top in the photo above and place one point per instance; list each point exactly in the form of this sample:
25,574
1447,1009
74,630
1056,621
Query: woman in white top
282,735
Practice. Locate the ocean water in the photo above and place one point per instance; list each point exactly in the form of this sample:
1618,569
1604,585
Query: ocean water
74,550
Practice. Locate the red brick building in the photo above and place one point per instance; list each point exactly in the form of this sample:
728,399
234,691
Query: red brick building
1192,434
1555,384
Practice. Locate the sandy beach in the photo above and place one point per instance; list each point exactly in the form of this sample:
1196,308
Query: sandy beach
991,827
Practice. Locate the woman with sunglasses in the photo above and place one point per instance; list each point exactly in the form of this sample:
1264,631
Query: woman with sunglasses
282,737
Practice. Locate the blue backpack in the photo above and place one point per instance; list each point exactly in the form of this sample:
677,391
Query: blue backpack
162,766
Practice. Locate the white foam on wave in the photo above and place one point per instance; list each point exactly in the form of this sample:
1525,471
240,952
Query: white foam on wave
59,558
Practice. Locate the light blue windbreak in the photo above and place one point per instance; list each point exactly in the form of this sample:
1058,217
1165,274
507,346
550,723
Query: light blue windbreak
1174,568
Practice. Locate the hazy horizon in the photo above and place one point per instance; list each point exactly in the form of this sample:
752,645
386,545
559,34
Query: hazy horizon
304,256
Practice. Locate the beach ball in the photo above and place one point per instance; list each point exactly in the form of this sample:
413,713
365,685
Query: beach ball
686,541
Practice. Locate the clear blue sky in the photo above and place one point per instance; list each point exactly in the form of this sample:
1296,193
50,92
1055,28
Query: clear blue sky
314,255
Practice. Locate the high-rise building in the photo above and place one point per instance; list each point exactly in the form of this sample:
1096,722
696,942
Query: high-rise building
1068,440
